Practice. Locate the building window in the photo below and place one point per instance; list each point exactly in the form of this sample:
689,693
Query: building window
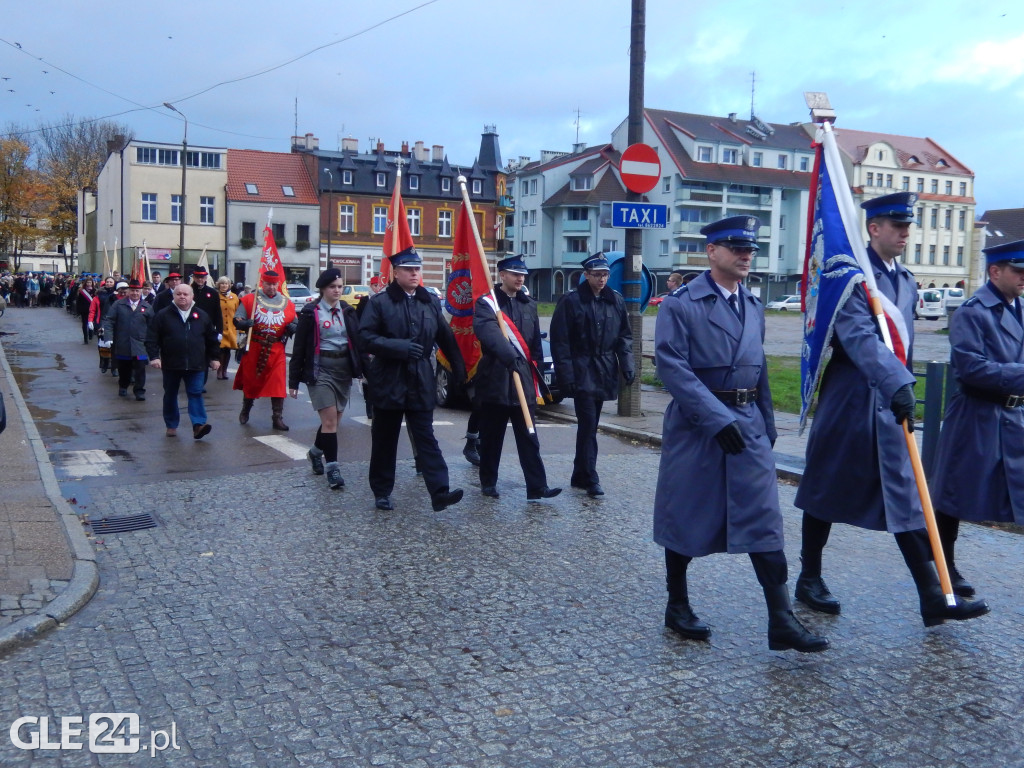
346,218
382,179
206,210
945,255
959,255
963,189
881,154
176,209
380,219
202,160
533,247
870,180
413,215
414,183
917,253
533,217
478,186
287,191
168,157
935,218
931,254
935,186
782,221
145,155
533,186
963,220
581,183
920,184
446,185
804,164
609,245
251,189
949,218
577,245
666,184
663,247
783,162
149,206
301,233
444,223
920,216
758,160
949,187
249,230
906,184
346,177
888,180
578,214
729,156
704,155
526,188
278,231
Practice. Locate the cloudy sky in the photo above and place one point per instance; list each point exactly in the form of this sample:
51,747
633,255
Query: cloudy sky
440,70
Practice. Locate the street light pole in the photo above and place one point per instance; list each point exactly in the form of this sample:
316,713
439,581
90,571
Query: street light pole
181,209
330,207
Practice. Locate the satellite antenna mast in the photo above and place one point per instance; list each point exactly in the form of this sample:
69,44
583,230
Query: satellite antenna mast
577,122
753,77
296,116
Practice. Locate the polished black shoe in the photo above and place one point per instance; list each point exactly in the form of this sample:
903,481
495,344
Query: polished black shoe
581,486
812,592
681,619
122,392
446,499
543,493
199,431
383,502
786,633
961,586
595,490
934,610
140,397
490,490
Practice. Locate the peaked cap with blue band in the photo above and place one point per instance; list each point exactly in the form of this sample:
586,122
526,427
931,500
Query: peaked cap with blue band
1009,252
899,206
596,262
734,230
406,258
513,264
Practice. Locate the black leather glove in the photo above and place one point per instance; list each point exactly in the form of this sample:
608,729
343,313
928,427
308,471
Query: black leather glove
630,377
731,439
243,325
903,405
289,330
415,350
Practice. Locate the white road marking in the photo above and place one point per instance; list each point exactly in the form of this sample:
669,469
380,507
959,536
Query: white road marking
290,448
368,422
79,464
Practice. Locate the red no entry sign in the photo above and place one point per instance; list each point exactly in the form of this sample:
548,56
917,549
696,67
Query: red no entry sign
640,168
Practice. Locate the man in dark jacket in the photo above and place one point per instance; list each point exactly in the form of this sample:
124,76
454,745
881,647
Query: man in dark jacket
399,328
182,343
125,327
591,343
207,298
165,297
496,397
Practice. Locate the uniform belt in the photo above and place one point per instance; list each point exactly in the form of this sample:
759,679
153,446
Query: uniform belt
1007,401
735,396
333,353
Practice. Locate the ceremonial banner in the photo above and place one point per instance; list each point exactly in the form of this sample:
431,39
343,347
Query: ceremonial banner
270,261
467,283
396,235
834,266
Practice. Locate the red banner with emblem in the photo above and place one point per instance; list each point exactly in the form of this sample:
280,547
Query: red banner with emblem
397,236
270,261
466,284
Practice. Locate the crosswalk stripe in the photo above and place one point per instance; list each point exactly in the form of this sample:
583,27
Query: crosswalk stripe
80,464
290,448
368,422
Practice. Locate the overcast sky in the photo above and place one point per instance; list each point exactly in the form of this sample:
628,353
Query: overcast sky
440,70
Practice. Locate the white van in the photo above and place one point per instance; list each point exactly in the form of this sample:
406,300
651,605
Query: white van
929,304
951,298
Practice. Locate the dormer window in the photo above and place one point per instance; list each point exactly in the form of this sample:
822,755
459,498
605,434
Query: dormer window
913,160
382,179
478,186
730,156
346,177
704,155
287,190
582,183
446,184
252,189
414,182
942,164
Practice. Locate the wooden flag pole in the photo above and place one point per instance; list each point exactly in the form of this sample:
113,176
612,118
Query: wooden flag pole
501,316
850,215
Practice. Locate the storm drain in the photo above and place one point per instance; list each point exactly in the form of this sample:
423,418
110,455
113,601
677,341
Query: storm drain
122,524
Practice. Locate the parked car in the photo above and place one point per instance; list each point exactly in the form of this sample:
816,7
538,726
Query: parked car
929,304
452,395
657,299
351,294
436,292
789,303
952,298
300,295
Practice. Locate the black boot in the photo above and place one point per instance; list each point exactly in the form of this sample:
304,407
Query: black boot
243,416
679,617
933,603
811,589
785,632
949,529
472,449
277,414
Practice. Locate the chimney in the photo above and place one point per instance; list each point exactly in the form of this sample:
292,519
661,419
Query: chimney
579,147
420,152
380,147
732,117
349,144
405,147
438,155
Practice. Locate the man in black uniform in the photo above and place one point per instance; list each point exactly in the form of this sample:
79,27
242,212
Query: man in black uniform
399,327
207,299
496,399
591,343
166,296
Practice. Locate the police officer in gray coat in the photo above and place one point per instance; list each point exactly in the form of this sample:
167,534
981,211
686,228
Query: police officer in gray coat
858,468
979,464
718,435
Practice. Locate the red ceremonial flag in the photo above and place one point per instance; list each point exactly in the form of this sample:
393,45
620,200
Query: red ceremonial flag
467,283
396,235
270,261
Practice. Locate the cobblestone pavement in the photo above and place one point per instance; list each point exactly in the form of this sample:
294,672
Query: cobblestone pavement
277,632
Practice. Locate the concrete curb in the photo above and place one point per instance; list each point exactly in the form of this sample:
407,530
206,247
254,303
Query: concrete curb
85,579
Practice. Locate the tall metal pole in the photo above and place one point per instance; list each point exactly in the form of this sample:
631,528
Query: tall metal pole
629,397
330,208
181,209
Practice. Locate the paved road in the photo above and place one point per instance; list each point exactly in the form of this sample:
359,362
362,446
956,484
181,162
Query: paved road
275,623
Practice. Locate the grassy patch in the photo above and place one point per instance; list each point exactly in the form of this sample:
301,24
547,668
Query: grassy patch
545,308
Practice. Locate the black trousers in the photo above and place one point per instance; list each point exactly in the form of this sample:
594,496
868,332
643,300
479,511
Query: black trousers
769,567
584,467
384,433
127,370
493,419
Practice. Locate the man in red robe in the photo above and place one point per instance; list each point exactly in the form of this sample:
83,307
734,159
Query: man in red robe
268,316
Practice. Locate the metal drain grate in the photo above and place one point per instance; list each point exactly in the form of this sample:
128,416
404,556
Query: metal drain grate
123,524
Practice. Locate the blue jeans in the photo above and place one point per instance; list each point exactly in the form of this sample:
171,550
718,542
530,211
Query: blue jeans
193,388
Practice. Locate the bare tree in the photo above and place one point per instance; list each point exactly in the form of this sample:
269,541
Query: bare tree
71,154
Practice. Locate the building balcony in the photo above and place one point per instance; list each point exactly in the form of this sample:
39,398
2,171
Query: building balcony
687,227
506,201
576,226
749,200
698,195
572,258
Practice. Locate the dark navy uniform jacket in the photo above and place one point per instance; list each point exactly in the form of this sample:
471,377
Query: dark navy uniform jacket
979,466
858,468
707,501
